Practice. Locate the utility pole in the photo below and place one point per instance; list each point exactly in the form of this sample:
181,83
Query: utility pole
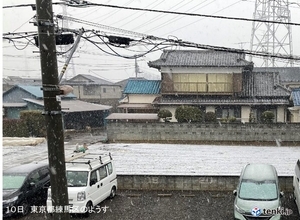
52,109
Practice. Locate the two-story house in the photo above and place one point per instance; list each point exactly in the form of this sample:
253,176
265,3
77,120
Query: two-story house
220,82
93,89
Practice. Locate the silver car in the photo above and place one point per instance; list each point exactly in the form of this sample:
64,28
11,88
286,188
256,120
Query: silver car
257,194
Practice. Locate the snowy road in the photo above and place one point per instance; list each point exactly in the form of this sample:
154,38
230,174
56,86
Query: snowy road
164,159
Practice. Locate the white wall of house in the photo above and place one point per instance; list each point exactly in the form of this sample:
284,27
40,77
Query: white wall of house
245,113
281,114
97,91
172,109
210,109
295,114
141,98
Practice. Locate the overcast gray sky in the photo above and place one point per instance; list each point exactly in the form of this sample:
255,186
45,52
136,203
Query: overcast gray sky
89,59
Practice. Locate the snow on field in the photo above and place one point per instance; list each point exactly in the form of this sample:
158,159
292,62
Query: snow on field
171,159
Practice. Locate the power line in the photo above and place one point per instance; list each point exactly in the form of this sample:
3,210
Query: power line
168,12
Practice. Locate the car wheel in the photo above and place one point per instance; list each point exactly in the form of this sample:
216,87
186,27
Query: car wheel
113,192
88,209
25,208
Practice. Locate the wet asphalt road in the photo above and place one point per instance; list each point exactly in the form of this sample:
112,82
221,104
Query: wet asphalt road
168,205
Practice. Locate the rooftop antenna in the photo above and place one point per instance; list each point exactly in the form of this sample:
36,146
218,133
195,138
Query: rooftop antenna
272,38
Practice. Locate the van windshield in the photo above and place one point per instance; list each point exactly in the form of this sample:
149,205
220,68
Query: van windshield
77,178
262,190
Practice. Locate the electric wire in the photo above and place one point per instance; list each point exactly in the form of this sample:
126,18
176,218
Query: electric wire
168,12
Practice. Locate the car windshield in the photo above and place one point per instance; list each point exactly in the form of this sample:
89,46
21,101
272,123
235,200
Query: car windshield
77,178
13,181
262,190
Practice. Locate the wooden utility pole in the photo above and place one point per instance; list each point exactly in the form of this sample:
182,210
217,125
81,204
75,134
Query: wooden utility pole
52,109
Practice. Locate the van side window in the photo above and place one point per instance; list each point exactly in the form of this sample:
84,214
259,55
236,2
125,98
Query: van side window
110,168
94,177
103,172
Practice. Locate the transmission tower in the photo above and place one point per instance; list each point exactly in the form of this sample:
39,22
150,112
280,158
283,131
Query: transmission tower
272,38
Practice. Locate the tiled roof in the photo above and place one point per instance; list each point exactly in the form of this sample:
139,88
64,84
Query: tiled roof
262,84
296,97
286,74
199,58
36,91
88,79
74,105
142,87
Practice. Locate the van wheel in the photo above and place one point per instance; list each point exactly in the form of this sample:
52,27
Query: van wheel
112,192
88,209
26,208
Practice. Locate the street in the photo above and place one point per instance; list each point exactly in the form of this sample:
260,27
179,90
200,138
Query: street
203,205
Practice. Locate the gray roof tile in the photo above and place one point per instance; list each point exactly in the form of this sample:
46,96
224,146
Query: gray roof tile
286,74
199,58
262,84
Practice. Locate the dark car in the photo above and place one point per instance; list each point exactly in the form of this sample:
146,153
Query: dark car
25,186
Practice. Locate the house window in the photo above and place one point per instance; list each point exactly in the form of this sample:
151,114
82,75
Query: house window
104,90
203,83
89,90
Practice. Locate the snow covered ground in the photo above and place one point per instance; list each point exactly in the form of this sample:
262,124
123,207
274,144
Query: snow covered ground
171,159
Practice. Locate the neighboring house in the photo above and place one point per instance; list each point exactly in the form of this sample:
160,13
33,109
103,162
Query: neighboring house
219,82
96,90
12,81
295,110
139,95
76,114
124,82
136,104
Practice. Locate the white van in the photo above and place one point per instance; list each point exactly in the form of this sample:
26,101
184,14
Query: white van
296,184
91,179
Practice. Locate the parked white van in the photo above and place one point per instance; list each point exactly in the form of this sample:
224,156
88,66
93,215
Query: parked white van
91,179
296,184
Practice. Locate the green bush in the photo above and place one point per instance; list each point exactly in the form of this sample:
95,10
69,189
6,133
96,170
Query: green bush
35,122
210,117
15,128
232,119
188,114
165,114
267,117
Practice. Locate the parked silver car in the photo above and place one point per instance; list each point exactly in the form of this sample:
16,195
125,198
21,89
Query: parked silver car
257,194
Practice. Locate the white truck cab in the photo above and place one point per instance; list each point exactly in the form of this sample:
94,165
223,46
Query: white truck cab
296,184
91,179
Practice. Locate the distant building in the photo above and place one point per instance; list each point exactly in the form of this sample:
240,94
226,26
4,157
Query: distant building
96,90
76,114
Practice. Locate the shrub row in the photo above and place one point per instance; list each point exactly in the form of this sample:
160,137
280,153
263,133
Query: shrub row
194,114
31,124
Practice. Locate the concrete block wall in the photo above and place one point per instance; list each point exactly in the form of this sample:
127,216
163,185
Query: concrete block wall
190,183
186,132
